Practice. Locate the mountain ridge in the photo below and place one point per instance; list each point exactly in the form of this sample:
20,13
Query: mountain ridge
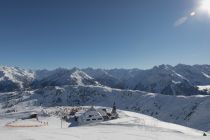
164,79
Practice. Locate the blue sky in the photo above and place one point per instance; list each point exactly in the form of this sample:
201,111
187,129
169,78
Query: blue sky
102,33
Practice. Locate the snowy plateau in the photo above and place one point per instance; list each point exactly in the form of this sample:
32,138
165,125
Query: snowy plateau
155,104
130,125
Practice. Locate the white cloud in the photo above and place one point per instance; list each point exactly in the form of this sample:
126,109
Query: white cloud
180,21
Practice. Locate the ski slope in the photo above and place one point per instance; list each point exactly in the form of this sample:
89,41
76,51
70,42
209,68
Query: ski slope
130,126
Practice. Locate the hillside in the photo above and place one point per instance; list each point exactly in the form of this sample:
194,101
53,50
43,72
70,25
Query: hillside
14,78
129,126
191,111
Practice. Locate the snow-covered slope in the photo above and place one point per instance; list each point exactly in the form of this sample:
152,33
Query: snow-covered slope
191,111
14,78
130,125
164,79
61,77
204,88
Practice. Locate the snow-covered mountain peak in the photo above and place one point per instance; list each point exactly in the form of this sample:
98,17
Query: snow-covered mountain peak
16,71
15,76
80,77
62,76
160,79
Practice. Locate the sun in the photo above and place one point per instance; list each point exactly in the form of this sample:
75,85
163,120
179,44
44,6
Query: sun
205,6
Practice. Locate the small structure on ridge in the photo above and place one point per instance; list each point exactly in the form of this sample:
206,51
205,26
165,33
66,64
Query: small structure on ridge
93,115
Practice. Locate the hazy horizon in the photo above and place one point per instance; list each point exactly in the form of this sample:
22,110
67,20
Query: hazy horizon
126,68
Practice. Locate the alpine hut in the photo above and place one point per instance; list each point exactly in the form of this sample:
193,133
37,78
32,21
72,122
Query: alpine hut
90,116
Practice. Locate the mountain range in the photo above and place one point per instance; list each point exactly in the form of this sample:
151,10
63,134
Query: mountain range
168,93
164,79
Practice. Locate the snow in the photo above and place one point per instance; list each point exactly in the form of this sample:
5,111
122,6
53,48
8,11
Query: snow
176,82
75,87
61,77
156,79
206,75
205,87
25,123
191,111
79,76
131,126
179,75
16,75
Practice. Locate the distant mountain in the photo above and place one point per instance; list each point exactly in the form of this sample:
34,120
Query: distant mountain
61,77
165,79
14,78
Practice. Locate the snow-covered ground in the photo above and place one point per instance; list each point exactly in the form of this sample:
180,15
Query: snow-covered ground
206,88
132,126
190,111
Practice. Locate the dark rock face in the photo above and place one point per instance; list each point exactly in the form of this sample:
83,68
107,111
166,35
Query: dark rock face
7,86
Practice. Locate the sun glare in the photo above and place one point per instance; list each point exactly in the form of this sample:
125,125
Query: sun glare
205,6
